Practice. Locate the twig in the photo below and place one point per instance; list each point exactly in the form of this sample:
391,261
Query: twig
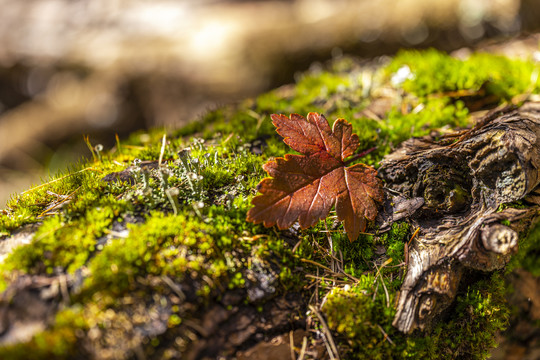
59,203
413,236
395,192
297,246
227,139
316,264
322,278
64,288
303,350
167,280
258,117
407,246
329,270
317,289
386,337
328,347
338,261
375,292
194,326
253,238
327,334
398,265
331,247
322,250
356,280
335,231
291,343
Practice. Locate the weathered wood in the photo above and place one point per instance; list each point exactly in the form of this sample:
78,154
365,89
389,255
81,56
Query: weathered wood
463,180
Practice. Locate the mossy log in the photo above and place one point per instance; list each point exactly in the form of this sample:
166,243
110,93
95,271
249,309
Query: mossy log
145,251
460,183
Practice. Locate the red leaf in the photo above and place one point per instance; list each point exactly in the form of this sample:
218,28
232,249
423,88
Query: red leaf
305,187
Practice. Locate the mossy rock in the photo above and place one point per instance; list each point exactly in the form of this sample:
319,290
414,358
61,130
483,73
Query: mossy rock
144,252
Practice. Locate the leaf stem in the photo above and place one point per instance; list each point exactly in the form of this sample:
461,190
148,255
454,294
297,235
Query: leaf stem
359,155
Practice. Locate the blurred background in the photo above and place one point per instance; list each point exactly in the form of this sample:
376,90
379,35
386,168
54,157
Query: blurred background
106,67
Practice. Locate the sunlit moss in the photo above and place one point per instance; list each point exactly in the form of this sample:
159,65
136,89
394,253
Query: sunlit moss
395,240
46,254
435,72
367,333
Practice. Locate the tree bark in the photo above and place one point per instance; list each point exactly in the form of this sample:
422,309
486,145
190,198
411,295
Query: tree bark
452,191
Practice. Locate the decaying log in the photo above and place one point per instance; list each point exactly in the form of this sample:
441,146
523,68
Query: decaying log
452,190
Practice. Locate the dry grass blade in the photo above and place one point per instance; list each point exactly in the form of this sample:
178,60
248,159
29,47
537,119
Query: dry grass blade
317,264
388,261
60,178
163,141
382,280
333,351
291,345
330,271
303,350
323,278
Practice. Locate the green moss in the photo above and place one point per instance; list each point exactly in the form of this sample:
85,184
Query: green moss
528,256
79,233
361,326
434,72
357,254
435,114
367,332
204,256
480,313
155,247
519,204
395,240
26,208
